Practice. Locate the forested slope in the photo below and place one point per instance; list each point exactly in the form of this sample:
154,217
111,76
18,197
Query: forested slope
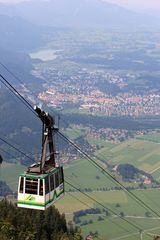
4,189
26,224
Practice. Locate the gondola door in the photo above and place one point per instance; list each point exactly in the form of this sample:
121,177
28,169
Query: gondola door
47,191
52,187
41,193
21,188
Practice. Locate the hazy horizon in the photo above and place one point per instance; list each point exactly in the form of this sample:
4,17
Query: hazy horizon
150,6
143,4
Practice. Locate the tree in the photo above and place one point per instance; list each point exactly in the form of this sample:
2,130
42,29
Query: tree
100,218
4,189
90,221
107,213
121,214
27,224
8,230
97,177
85,222
118,205
148,214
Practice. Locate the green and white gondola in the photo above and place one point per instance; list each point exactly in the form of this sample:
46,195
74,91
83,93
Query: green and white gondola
40,191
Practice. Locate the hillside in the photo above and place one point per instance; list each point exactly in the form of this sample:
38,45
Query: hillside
4,189
17,123
22,224
20,64
19,34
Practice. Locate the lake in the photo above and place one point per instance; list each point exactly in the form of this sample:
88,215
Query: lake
44,55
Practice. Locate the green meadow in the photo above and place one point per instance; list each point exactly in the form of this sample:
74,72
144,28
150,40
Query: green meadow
142,154
152,137
116,229
82,174
76,201
10,173
133,212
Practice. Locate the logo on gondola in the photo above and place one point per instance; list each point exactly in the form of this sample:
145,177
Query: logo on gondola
30,198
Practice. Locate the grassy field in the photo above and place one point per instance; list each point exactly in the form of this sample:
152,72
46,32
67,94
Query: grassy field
133,212
10,173
75,131
142,154
153,137
85,175
101,143
71,202
108,229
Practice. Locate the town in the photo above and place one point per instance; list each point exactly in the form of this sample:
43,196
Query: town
83,91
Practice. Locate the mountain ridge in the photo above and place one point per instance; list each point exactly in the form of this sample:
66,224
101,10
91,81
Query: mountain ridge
79,13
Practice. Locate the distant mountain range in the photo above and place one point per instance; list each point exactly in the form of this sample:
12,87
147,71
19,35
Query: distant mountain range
79,13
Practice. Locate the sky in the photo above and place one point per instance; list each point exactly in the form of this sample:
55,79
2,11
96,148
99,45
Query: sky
12,1
138,4
142,5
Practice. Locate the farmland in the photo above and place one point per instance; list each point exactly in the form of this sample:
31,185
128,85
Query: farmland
9,173
153,137
133,212
142,153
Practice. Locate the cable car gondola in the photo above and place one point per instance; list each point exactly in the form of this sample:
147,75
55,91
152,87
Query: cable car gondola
43,183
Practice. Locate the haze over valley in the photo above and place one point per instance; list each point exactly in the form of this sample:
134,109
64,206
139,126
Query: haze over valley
95,66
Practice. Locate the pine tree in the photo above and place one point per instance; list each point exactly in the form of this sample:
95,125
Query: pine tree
26,224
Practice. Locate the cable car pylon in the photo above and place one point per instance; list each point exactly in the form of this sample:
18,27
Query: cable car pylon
43,183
